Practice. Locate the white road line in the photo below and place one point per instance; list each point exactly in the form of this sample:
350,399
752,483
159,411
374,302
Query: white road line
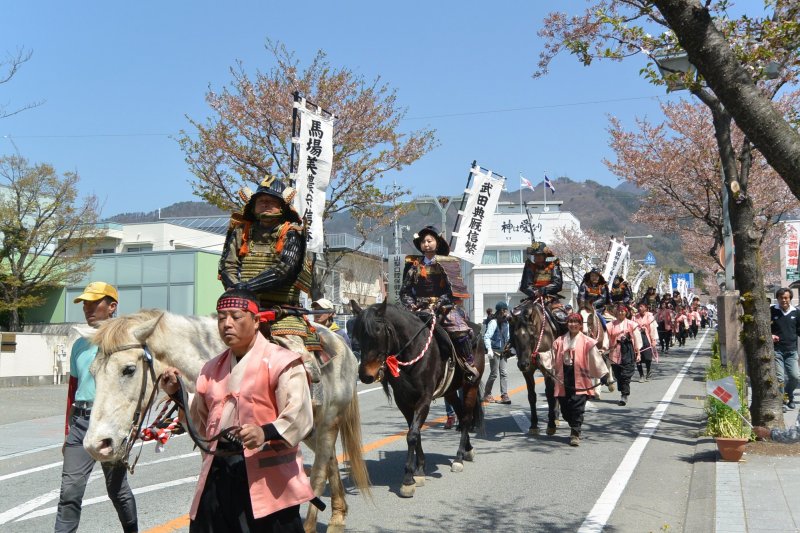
369,390
47,497
598,517
32,450
30,471
522,420
100,499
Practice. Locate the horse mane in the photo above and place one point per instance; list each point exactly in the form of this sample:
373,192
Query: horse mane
117,331
370,324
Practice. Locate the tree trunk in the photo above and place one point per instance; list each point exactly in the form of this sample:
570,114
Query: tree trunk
754,113
756,338
13,320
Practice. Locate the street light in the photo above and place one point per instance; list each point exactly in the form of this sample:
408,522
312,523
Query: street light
626,238
442,203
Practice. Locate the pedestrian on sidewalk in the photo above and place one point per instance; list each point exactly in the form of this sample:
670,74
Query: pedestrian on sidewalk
576,362
625,343
99,301
495,340
649,333
785,325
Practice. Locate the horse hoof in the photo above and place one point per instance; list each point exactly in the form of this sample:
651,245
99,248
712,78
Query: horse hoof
457,467
470,455
407,491
533,431
419,481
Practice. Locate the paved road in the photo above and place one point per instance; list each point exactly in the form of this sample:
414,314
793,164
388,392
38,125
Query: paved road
633,471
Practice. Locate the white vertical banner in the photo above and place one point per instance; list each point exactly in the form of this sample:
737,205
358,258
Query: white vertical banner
682,288
617,250
626,263
637,282
476,218
396,266
315,159
660,285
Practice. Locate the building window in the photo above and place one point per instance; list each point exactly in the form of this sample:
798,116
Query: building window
98,251
138,249
503,257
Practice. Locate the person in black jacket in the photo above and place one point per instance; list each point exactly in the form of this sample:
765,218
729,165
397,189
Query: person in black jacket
785,326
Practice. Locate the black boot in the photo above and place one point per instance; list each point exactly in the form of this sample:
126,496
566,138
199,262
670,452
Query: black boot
463,346
575,437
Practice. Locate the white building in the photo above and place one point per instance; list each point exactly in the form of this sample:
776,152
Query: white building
497,277
157,237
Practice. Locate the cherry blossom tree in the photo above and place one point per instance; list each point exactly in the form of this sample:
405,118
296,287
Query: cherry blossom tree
578,251
249,133
618,29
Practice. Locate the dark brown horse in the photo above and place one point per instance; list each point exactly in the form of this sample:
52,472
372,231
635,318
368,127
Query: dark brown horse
532,337
406,352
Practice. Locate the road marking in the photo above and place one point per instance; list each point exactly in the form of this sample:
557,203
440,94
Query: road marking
32,450
47,497
598,517
30,471
101,499
369,390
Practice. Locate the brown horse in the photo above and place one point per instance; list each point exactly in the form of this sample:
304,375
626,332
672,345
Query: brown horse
532,337
413,356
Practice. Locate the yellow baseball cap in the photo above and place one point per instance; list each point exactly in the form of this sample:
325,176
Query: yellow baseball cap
97,290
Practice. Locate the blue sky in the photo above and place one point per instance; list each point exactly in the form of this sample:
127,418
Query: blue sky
118,81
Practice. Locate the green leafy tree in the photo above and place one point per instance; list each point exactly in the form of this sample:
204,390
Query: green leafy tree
47,234
249,133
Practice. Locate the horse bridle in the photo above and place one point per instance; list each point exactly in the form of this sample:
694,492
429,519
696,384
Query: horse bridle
384,356
141,407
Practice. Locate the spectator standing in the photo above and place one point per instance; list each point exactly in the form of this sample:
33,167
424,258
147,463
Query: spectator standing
495,339
327,319
99,303
785,326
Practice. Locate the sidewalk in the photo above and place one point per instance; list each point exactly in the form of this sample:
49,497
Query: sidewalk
761,493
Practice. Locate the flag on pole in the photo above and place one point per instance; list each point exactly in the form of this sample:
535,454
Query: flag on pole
725,391
549,184
525,183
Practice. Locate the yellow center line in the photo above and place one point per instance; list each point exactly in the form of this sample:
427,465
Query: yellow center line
183,521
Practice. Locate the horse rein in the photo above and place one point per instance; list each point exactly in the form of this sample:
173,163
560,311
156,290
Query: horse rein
390,360
141,407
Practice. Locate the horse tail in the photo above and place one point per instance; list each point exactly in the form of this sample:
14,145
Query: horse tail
350,428
478,413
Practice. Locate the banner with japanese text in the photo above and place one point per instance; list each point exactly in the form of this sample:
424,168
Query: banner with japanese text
396,266
476,218
315,159
637,281
791,242
660,289
617,252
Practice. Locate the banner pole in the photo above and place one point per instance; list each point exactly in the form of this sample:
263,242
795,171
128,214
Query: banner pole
520,193
544,186
461,206
295,134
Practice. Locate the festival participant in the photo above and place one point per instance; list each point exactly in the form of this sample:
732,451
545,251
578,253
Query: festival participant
652,299
326,319
703,317
495,339
681,325
665,320
575,362
626,343
541,273
260,391
431,284
649,332
694,320
620,292
265,252
99,303
593,294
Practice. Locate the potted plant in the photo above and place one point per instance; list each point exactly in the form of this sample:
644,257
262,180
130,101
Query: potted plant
728,427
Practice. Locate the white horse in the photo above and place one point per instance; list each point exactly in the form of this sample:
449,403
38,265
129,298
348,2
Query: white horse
124,383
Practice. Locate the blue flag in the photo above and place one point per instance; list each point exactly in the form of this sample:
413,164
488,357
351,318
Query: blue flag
549,184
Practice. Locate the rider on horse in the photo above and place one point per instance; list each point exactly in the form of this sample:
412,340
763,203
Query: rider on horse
431,284
265,252
593,294
651,299
541,277
620,293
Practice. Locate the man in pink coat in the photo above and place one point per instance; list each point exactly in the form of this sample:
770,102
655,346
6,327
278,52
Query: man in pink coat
576,362
253,403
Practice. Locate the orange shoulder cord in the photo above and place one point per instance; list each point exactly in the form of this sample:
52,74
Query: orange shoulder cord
282,236
244,249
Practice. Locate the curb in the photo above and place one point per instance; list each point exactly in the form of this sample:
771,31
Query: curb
701,506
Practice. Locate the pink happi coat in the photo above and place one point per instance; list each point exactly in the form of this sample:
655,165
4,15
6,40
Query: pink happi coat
587,361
